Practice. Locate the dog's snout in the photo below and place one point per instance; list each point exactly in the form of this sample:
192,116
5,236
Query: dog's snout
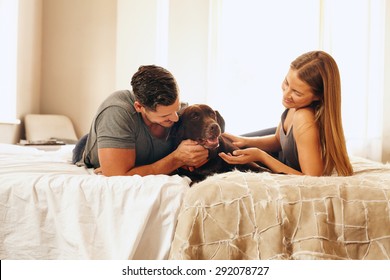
213,130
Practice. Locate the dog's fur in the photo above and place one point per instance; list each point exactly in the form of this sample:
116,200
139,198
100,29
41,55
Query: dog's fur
202,124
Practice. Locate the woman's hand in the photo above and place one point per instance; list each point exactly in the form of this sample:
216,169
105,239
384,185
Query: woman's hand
238,141
242,156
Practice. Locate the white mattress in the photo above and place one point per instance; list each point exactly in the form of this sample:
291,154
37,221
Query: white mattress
51,209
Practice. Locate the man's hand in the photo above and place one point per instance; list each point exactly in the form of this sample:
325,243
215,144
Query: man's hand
191,154
98,171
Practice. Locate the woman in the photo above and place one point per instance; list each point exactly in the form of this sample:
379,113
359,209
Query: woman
310,138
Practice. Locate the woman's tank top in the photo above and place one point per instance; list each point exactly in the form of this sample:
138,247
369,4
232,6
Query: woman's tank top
289,153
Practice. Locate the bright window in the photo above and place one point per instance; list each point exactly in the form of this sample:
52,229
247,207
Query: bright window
252,43
355,37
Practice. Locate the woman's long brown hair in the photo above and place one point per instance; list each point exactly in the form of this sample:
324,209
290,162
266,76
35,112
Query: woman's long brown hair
319,70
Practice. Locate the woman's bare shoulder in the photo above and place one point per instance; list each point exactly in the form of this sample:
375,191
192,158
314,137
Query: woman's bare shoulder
304,115
304,118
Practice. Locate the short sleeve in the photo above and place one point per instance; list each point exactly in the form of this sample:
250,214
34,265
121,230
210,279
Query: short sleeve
116,128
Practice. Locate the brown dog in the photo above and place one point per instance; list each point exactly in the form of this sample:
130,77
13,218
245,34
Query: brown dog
202,124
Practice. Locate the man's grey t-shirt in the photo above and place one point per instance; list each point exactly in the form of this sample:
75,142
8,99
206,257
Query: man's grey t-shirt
118,125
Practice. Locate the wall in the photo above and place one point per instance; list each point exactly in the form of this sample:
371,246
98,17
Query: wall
78,58
188,47
173,34
29,57
136,38
76,52
29,67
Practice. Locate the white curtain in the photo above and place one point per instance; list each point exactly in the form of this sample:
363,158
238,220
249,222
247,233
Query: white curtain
252,43
354,33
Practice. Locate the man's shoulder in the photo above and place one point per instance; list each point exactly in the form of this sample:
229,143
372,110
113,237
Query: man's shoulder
120,98
118,108
121,95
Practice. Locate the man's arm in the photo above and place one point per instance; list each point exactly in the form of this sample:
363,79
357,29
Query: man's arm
119,162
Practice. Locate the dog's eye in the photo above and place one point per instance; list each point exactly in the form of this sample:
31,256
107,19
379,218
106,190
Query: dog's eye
195,116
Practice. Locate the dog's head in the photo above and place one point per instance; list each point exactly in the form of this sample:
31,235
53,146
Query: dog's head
199,123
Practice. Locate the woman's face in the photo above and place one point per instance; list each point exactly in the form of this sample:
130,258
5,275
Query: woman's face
296,93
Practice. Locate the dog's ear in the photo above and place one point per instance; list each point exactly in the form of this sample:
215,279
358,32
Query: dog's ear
183,106
176,133
220,121
175,129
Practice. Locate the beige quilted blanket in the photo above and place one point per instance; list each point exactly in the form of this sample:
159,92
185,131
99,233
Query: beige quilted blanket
268,216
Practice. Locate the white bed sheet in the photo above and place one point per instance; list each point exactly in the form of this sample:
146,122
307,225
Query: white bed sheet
51,209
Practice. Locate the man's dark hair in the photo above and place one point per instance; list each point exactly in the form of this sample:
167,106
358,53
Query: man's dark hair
154,85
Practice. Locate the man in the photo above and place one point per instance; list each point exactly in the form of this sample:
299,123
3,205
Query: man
129,134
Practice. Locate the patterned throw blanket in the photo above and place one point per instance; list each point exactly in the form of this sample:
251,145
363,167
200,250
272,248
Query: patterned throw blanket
269,216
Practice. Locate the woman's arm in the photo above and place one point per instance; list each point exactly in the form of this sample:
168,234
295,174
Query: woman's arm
306,134
257,155
268,143
307,138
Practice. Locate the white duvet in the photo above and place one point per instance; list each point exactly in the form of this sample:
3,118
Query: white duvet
51,209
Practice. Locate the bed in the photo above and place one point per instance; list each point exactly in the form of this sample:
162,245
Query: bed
51,209
270,216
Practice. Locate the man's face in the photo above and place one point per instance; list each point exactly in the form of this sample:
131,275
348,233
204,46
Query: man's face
165,116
